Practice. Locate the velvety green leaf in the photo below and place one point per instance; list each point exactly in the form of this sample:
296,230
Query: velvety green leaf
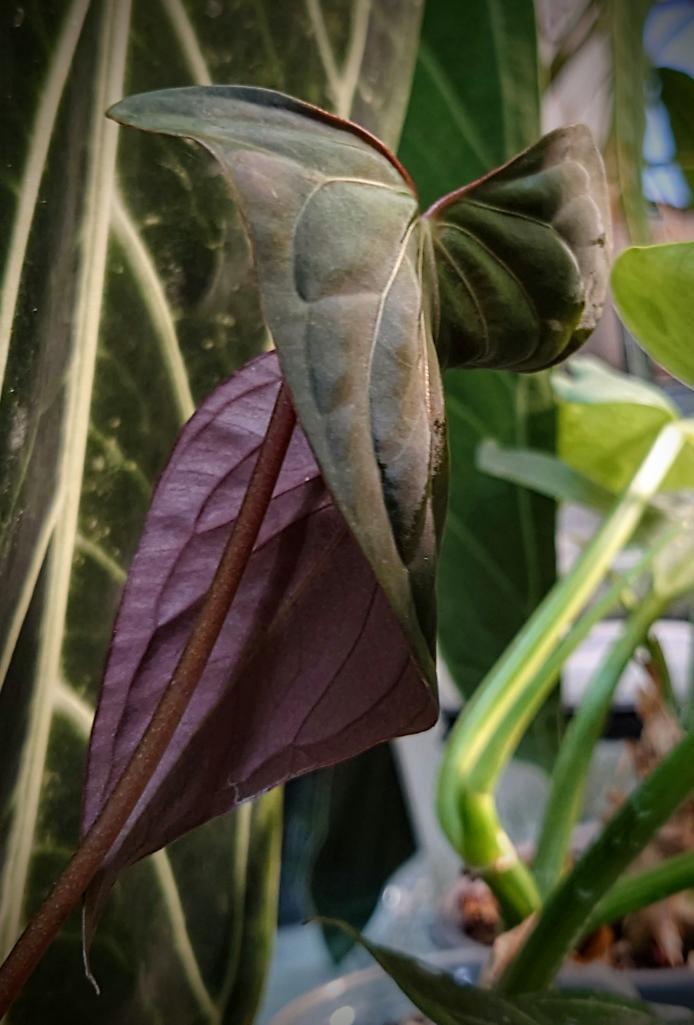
126,294
476,96
609,420
652,287
523,257
677,93
544,473
475,99
446,1002
347,315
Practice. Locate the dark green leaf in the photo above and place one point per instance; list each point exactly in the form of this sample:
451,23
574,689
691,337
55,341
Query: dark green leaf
677,93
523,257
437,995
338,250
366,835
475,99
652,288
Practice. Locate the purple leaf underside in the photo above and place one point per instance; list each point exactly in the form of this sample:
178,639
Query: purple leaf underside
311,667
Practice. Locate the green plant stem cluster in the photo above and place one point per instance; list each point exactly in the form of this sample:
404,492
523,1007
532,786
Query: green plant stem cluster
492,724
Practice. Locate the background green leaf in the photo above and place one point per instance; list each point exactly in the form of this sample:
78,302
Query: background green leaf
652,287
475,103
677,93
125,296
608,422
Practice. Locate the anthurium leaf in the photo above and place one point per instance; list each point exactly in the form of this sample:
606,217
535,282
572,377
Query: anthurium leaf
523,256
445,1002
312,665
677,93
333,222
652,287
609,420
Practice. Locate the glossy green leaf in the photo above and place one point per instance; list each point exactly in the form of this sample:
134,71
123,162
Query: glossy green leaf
347,314
523,257
677,93
446,1002
609,420
652,287
126,294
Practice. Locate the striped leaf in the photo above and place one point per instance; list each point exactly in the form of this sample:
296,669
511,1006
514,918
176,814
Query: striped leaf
125,296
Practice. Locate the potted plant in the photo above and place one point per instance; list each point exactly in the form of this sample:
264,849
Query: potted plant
323,502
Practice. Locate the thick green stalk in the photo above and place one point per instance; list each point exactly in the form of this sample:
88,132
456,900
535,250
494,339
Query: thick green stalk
491,725
573,762
643,888
569,908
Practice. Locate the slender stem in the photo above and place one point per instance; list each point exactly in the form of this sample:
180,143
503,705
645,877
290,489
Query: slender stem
91,852
485,845
491,725
643,888
659,671
569,908
574,758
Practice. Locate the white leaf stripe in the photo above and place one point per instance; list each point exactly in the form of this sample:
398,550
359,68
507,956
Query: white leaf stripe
26,591
342,85
41,135
152,292
79,713
86,319
188,41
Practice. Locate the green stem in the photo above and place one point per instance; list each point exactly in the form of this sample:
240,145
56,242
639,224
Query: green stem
643,888
488,848
569,908
491,725
660,671
574,758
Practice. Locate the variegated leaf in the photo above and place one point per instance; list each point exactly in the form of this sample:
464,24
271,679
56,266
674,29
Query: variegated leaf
125,296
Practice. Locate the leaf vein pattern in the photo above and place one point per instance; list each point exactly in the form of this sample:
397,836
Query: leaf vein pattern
41,135
111,59
497,259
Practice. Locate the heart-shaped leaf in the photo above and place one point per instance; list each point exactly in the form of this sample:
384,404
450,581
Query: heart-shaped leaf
523,257
339,248
312,666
